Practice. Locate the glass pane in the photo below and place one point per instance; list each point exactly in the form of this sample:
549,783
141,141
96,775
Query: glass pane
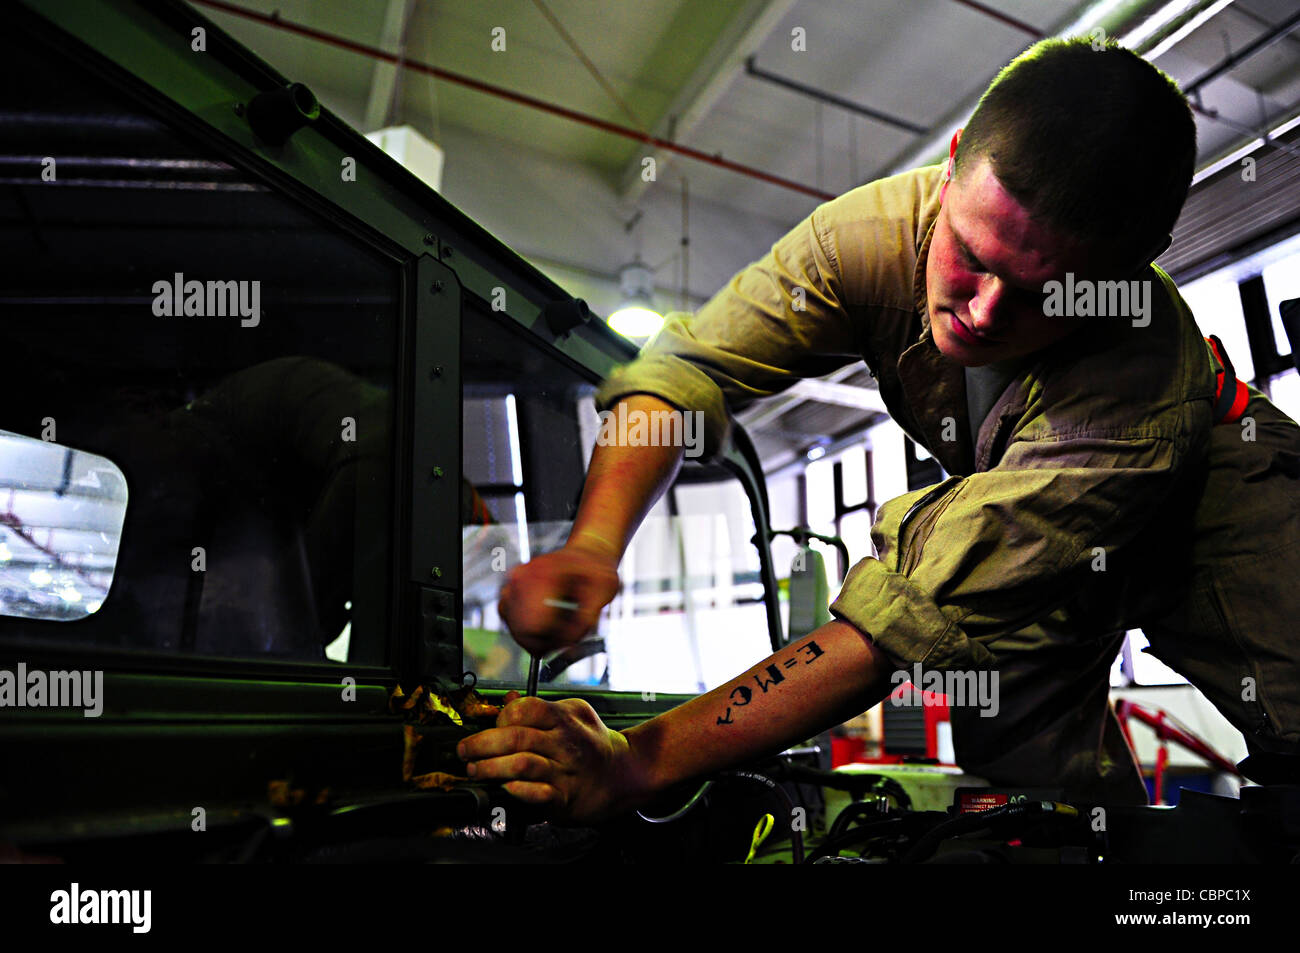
523,472
62,527
229,351
489,441
691,608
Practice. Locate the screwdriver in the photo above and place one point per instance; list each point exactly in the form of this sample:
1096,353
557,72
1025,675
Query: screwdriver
534,663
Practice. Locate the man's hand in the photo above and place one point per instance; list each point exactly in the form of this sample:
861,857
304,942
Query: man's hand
572,574
559,755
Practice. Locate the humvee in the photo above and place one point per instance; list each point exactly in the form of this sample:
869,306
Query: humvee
278,419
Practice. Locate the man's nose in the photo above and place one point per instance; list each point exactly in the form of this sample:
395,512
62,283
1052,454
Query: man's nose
988,309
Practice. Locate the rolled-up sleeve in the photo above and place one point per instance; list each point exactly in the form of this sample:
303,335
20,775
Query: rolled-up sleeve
972,558
779,320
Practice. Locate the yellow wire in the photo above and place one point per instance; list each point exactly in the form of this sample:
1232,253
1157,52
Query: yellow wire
761,830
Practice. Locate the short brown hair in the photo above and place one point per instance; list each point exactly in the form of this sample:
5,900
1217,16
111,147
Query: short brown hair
1091,139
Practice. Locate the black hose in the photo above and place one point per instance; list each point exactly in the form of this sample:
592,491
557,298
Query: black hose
858,785
681,811
977,820
884,827
851,813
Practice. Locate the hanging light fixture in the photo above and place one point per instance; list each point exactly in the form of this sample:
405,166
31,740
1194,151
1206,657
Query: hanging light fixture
636,318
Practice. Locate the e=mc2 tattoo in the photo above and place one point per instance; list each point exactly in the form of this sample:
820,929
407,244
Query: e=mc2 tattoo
742,695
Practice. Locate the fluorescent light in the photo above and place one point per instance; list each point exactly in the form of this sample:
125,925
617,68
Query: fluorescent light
512,427
1165,45
1227,160
636,322
1153,23
1238,154
636,317
521,526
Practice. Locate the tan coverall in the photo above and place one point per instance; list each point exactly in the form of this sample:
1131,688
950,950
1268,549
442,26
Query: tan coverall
1101,445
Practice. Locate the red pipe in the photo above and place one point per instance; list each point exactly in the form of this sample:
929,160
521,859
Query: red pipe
1162,762
1166,731
519,98
1020,25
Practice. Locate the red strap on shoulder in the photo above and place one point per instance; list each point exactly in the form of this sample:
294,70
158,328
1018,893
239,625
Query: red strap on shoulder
1240,393
1239,402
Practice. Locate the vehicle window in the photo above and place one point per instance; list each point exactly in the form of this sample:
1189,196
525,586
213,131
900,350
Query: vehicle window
691,609
232,353
60,529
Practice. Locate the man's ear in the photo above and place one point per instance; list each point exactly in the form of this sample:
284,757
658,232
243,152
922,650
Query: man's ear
952,164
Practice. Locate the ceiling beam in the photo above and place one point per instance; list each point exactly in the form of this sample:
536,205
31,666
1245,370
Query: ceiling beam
827,390
725,60
842,395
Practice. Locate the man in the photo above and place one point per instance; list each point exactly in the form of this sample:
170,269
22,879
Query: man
1100,477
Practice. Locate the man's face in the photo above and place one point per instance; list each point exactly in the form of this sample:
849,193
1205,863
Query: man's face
988,262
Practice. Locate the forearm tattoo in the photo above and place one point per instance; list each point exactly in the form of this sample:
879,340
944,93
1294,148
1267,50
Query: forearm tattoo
769,678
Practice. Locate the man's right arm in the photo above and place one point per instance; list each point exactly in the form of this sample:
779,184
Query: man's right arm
623,483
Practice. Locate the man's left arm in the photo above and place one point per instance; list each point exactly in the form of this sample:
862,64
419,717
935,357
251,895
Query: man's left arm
560,755
972,558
